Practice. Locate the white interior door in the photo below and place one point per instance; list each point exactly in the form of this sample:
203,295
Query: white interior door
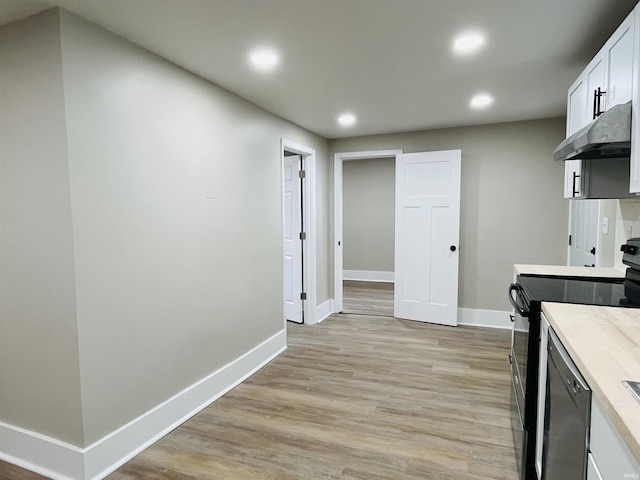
585,223
292,242
427,231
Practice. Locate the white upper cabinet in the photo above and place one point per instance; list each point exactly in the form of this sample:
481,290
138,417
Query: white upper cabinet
596,87
619,54
576,119
634,167
608,80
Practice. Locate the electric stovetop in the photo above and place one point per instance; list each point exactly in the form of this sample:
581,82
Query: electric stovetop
608,292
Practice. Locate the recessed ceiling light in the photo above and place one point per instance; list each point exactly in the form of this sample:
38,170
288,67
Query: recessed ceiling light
468,43
347,119
264,59
481,100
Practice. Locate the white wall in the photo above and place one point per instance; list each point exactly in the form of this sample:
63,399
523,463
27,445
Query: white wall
368,214
512,210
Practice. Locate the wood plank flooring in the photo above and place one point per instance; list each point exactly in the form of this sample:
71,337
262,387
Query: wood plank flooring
356,397
368,298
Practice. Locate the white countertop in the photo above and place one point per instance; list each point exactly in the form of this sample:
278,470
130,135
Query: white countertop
604,343
567,271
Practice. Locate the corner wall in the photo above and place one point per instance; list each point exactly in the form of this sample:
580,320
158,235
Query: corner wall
39,364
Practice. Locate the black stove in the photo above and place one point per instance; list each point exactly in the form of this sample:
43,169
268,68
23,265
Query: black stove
608,292
526,296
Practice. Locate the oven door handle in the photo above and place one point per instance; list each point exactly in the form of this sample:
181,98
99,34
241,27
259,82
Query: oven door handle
514,287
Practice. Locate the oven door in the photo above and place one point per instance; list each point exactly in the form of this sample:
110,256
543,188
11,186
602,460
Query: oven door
518,362
520,436
520,332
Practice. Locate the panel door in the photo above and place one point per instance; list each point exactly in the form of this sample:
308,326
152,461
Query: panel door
427,232
585,223
292,244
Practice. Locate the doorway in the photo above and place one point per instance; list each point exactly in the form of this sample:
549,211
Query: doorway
298,232
368,236
338,160
427,215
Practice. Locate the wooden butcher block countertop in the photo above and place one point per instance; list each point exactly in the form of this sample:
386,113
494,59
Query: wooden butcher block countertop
566,271
604,343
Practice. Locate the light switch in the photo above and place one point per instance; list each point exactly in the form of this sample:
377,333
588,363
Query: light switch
605,225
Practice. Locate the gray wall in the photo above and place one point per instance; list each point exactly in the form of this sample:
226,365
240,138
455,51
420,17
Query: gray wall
512,210
368,189
115,206
39,369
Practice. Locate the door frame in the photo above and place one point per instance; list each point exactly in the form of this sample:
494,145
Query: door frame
338,260
308,155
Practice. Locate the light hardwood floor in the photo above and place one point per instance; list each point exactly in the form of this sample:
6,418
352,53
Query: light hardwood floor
355,397
368,298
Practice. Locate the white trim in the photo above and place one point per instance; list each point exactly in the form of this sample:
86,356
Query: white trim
368,276
484,318
41,454
324,310
309,245
61,461
338,266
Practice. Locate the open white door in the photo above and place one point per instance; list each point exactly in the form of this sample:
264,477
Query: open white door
585,223
292,242
427,234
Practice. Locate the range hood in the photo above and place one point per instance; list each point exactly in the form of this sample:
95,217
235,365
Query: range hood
608,136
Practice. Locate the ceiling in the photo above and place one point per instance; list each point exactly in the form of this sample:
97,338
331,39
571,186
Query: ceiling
389,62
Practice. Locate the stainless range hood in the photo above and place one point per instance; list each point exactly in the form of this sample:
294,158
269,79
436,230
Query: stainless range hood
608,136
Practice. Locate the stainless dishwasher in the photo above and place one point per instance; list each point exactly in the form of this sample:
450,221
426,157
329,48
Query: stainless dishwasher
567,417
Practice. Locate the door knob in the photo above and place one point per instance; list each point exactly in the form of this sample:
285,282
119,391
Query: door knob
452,248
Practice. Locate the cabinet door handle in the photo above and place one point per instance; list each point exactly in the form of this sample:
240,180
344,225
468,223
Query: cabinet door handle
575,192
597,105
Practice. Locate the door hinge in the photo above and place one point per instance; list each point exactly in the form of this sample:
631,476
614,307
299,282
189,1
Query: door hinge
303,236
303,296
301,174
569,240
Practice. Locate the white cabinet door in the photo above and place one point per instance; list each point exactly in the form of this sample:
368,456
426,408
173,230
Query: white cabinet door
634,180
619,54
596,75
592,469
610,452
576,119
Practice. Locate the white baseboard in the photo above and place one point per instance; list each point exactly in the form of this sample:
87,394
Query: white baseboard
61,461
484,318
368,276
324,310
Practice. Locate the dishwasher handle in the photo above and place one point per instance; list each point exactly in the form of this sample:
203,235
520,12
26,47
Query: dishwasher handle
574,382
